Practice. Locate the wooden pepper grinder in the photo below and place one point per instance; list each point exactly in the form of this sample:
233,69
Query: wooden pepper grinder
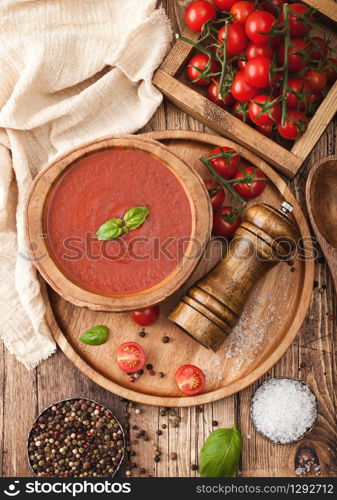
212,307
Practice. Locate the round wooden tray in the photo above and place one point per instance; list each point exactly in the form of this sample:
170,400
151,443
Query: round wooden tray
271,320
35,217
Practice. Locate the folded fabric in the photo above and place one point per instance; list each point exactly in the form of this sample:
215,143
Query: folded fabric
70,72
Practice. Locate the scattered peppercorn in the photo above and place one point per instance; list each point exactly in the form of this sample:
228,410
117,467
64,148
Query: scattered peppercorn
166,339
315,285
194,467
324,286
215,423
320,260
199,409
157,458
163,413
135,427
142,470
163,426
149,366
172,412
161,374
159,432
142,334
140,372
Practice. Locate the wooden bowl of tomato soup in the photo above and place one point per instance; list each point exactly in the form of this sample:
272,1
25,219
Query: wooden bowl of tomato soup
150,207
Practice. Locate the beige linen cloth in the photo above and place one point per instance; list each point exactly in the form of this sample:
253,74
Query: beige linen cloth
70,71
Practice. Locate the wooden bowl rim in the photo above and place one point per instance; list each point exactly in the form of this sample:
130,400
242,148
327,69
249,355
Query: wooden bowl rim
201,212
271,360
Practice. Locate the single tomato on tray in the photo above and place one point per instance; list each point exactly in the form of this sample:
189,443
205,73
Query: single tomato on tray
227,165
226,222
130,357
145,317
216,193
190,380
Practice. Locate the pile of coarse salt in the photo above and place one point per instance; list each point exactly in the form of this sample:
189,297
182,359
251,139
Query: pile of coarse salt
283,409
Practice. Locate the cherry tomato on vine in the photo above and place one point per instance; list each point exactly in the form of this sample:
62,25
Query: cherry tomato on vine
217,195
240,90
145,317
240,110
298,86
197,64
258,25
251,189
258,115
256,49
199,13
130,357
330,70
273,6
317,48
224,4
190,380
316,80
297,26
242,63
241,10
294,126
226,166
257,72
314,99
295,55
221,226
266,130
213,95
236,38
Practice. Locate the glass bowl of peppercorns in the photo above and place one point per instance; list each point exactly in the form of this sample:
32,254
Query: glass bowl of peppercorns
76,437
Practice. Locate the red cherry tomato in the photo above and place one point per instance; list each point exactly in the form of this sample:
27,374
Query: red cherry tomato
130,357
257,72
299,86
197,65
256,49
317,48
199,13
317,81
294,126
330,70
216,193
251,189
266,130
226,166
273,6
145,317
260,117
190,380
240,90
295,57
258,25
236,39
224,4
240,110
213,95
241,10
242,63
297,26
224,227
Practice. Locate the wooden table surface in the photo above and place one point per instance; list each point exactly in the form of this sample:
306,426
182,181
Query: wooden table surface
312,357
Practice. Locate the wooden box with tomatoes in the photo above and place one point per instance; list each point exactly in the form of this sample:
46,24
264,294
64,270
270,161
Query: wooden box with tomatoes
262,73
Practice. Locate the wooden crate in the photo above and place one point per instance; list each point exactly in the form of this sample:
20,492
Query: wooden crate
169,79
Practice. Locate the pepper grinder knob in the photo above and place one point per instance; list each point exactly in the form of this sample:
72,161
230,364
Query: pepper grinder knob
212,307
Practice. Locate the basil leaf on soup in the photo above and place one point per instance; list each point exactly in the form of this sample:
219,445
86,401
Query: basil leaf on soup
111,229
97,335
221,452
135,217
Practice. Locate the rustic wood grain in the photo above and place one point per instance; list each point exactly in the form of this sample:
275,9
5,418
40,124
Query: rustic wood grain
312,357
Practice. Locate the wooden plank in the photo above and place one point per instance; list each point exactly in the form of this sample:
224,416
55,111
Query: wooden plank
178,55
326,7
225,124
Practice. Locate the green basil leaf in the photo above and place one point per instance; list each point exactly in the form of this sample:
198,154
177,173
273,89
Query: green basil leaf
220,454
135,217
111,229
97,335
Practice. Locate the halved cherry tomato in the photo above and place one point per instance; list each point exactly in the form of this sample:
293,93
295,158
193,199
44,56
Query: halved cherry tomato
145,317
216,193
224,4
257,72
258,25
299,86
236,38
256,49
316,80
241,10
130,357
261,117
297,26
226,167
295,54
213,95
294,125
251,189
197,65
240,90
222,226
199,13
330,70
190,380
